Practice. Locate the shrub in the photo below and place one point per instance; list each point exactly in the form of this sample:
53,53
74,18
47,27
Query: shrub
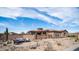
49,47
59,44
71,35
76,39
4,44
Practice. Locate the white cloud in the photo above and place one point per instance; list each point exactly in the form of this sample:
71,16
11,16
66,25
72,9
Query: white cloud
10,12
28,12
66,14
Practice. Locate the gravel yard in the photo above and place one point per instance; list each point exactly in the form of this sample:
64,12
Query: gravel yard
56,44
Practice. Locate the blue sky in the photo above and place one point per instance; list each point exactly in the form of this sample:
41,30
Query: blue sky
23,19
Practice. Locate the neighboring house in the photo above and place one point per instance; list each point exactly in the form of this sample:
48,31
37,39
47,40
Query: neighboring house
77,34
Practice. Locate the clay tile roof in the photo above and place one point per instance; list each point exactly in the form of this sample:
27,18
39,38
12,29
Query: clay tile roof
47,30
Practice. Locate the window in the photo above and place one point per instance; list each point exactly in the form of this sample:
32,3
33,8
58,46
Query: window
44,32
39,33
57,34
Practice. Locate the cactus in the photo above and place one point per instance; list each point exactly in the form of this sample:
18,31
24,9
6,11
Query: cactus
6,33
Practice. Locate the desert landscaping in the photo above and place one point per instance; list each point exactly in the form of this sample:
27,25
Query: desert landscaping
56,44
49,44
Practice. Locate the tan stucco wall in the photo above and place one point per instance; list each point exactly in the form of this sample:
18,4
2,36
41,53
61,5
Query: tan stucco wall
29,36
13,37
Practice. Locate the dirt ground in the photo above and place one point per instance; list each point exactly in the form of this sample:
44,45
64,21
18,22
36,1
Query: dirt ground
56,44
